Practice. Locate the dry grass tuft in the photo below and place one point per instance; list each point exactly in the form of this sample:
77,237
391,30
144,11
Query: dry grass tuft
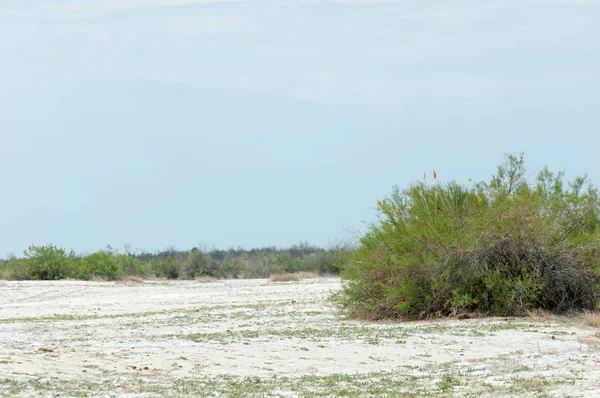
205,279
295,276
132,280
539,314
591,319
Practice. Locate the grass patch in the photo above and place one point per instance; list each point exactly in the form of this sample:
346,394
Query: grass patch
380,384
447,383
403,382
365,334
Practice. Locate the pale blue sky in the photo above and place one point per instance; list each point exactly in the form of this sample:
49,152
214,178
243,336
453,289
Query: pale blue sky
259,123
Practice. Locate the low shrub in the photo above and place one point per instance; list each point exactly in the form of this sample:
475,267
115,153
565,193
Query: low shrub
43,262
50,262
18,269
198,264
102,263
3,269
231,268
131,266
166,267
497,248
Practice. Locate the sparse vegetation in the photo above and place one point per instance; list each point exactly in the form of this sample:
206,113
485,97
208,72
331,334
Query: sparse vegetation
501,247
52,263
506,247
186,343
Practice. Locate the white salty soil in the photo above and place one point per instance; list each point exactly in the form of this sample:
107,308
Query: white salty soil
245,337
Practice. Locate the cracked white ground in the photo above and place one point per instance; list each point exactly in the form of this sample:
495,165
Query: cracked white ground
162,338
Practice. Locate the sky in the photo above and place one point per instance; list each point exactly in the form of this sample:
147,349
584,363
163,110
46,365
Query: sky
224,123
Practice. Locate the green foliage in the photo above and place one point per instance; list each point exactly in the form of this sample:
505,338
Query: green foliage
497,248
260,265
18,269
165,267
132,266
42,262
50,262
103,263
231,268
197,264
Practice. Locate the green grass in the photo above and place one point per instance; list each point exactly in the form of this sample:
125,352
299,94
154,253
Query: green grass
404,382
447,383
367,334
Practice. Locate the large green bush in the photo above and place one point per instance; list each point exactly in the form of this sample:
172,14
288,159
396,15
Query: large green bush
166,265
103,263
495,248
42,262
198,264
133,267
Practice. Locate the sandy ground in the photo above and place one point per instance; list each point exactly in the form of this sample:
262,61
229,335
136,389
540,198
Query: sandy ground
256,337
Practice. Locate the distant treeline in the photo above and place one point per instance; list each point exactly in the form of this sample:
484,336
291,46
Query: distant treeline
52,263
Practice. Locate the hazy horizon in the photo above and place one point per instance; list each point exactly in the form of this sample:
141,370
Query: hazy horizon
257,123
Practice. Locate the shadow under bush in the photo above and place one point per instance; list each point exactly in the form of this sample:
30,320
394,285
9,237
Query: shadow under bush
497,248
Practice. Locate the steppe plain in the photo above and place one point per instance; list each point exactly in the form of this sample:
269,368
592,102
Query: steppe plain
272,339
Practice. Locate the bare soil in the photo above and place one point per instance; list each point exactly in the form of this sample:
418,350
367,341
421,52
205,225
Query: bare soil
261,338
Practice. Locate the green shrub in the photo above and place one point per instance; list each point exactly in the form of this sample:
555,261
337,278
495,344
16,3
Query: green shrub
230,268
3,269
132,266
198,264
43,262
497,248
18,269
102,263
255,265
165,266
291,265
50,262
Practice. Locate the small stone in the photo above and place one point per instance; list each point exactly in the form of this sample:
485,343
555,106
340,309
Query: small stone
304,348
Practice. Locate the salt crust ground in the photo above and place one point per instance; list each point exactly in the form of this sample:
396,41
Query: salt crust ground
259,338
